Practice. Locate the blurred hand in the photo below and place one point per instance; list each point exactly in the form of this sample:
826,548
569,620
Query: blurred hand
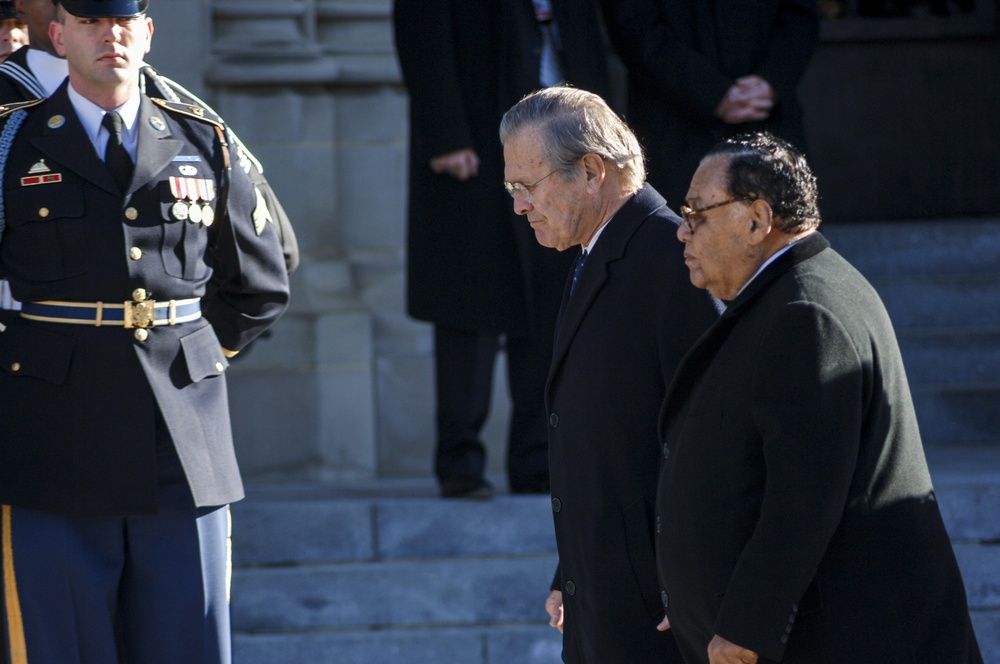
664,624
749,99
461,165
554,607
721,651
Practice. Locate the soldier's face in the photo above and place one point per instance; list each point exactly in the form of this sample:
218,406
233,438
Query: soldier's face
103,53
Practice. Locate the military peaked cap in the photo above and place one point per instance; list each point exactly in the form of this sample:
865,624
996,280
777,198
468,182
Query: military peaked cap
104,8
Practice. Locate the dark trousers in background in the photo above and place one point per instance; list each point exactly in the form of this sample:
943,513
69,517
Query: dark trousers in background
151,589
464,362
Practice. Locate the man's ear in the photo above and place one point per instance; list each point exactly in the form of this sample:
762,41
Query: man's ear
594,170
761,221
55,36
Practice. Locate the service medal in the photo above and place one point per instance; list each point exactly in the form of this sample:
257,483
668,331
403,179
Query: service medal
207,216
194,214
179,211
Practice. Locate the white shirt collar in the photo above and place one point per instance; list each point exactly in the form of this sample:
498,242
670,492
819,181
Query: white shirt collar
770,260
91,114
48,69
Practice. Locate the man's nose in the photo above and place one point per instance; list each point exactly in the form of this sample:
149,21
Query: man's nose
522,203
684,233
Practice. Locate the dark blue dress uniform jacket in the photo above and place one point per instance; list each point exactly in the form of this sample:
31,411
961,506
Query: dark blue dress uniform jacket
79,403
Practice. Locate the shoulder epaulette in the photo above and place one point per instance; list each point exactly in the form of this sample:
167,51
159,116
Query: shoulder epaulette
190,110
7,109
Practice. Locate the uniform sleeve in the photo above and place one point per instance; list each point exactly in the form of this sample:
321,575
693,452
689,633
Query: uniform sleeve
249,285
807,408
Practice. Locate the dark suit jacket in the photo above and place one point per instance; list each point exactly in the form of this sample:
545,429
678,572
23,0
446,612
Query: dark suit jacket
621,335
79,403
798,517
470,263
682,56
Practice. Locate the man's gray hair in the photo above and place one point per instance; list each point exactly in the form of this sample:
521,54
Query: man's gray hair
575,123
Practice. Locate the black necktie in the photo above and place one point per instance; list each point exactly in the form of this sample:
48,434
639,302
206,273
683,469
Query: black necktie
576,271
116,156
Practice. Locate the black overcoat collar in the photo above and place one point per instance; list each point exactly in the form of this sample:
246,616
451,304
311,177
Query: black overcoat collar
706,347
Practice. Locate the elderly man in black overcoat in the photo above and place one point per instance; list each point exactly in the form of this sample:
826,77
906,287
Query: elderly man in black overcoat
628,315
797,518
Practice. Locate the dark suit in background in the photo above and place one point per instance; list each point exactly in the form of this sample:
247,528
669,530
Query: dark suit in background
621,335
798,517
470,271
683,55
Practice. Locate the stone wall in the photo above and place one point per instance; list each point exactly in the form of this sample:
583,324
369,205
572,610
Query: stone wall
343,389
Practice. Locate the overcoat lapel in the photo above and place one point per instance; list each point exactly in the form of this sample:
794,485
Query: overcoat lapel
611,247
704,350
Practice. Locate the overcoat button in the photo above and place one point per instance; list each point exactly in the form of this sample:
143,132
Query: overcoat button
553,420
666,452
44,212
131,214
665,598
657,524
570,588
15,367
219,367
141,334
556,505
135,253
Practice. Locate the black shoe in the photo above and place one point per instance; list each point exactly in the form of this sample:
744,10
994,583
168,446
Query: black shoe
477,489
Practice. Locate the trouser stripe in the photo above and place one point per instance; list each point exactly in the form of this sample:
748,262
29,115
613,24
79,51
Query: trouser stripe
14,623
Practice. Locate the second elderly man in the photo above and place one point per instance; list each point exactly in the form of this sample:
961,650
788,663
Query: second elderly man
628,314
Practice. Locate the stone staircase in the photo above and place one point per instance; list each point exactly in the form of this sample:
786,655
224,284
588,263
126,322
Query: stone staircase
384,571
387,572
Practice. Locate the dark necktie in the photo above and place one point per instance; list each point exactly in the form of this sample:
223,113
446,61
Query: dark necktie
576,271
116,156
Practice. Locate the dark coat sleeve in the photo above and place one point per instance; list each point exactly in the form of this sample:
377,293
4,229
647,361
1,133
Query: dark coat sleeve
807,407
424,34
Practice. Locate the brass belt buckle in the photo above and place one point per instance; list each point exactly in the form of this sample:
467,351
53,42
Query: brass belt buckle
140,314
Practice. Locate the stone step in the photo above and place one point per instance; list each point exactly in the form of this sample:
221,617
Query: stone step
941,301
952,416
918,247
385,572
471,645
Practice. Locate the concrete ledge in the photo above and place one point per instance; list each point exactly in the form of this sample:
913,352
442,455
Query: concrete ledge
980,564
477,591
508,525
495,645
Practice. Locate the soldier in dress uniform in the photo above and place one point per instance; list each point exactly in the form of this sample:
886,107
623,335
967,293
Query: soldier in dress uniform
116,459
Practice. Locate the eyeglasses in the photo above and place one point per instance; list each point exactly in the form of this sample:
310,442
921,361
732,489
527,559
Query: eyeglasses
515,188
691,215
